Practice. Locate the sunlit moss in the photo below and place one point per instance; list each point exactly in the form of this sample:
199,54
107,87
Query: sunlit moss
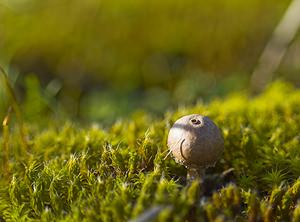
72,172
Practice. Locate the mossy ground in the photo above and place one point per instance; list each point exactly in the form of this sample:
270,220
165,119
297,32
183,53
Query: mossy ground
73,173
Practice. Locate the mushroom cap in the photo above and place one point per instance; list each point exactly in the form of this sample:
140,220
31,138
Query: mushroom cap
195,141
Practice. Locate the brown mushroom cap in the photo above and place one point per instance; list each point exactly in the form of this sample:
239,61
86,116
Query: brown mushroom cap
195,141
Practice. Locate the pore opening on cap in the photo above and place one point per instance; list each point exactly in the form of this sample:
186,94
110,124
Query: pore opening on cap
195,122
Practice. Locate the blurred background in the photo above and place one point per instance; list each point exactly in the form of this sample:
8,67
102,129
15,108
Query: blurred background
102,60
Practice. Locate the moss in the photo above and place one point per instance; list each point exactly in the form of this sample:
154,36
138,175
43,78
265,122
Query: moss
74,173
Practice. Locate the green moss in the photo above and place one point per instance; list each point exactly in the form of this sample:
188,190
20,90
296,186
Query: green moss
74,173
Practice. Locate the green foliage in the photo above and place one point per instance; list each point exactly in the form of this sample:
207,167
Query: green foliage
174,50
147,42
123,172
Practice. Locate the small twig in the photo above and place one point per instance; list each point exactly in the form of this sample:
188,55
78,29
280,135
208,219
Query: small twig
168,154
276,48
5,126
151,214
7,117
15,107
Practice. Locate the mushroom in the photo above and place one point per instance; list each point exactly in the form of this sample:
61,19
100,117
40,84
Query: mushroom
195,142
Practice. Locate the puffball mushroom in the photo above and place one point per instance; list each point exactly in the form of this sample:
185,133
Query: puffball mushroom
196,142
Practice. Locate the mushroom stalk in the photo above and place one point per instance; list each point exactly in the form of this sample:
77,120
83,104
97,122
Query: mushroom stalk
195,174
